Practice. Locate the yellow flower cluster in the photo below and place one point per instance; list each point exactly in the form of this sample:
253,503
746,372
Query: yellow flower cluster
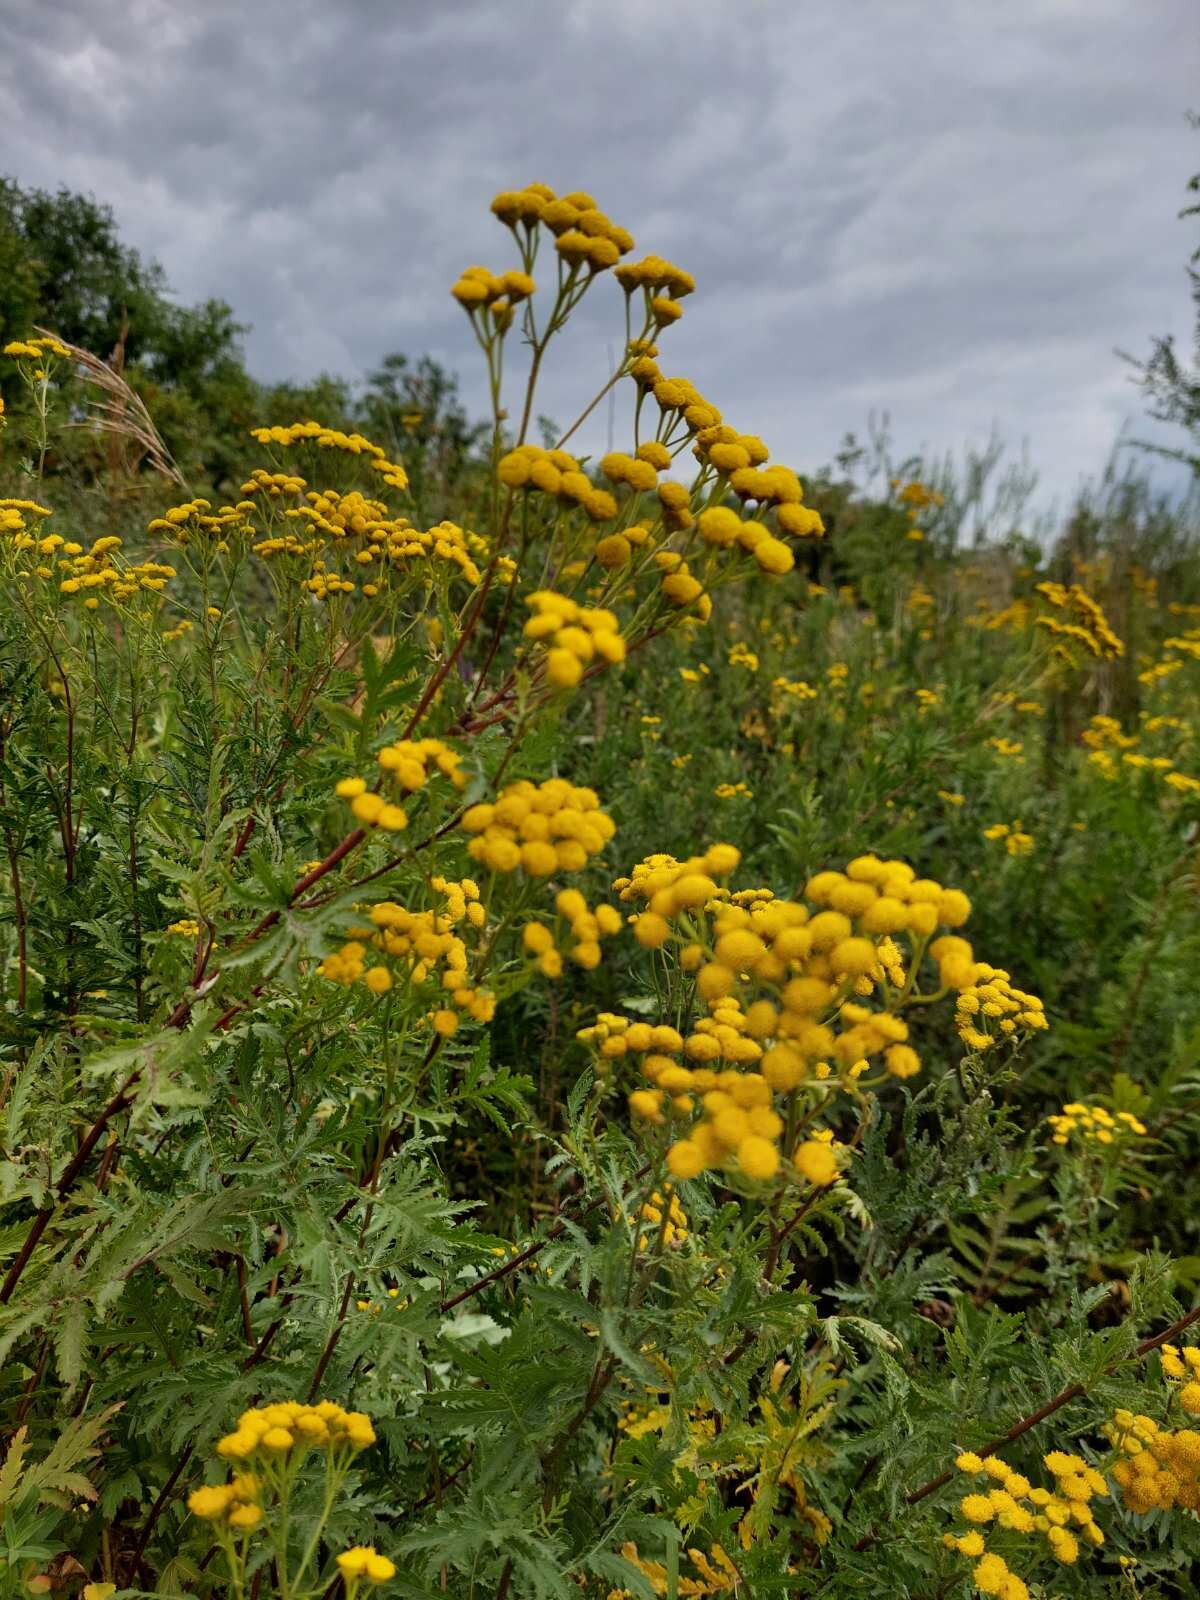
321,583
273,484
721,526
639,472
582,231
593,241
771,486
1011,748
1183,1366
374,1308
990,999
277,1438
274,1431
1158,670
667,1218
97,572
429,947
370,808
784,988
477,289
235,1503
1157,1468
726,450
389,541
574,635
347,516
287,544
363,1561
1094,1124
655,275
198,516
555,473
1086,623
679,401
409,763
585,236
542,828
748,1127
1062,1516
391,472
1103,733
587,928
795,690
13,515
734,456
188,928
1104,736
614,549
1015,842
915,495
36,349
680,586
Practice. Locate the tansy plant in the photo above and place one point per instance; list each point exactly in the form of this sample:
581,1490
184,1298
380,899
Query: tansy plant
268,1504
662,1231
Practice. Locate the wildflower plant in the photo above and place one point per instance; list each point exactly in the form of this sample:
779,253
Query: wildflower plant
724,1224
271,1450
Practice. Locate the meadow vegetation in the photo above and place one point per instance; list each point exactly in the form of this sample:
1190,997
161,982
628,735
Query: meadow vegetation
577,1027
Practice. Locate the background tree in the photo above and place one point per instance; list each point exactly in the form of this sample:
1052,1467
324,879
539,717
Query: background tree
1170,386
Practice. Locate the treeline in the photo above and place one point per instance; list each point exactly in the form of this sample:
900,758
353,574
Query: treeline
64,267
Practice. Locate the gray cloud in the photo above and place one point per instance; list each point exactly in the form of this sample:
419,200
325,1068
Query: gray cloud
950,211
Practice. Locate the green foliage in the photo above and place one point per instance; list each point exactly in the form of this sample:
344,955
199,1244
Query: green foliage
233,1173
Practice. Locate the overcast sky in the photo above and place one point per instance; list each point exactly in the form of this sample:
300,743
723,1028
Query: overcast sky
954,210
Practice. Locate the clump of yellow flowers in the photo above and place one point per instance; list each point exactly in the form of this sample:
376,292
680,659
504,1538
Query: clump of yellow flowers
991,1008
644,529
538,828
99,572
1061,1516
574,635
1076,619
556,474
667,1220
428,947
265,1432
323,438
1094,1124
1158,1468
197,516
784,998
408,765
40,351
1016,842
273,1445
586,926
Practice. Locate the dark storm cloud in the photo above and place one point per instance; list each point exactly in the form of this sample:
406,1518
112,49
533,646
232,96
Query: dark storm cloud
953,211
